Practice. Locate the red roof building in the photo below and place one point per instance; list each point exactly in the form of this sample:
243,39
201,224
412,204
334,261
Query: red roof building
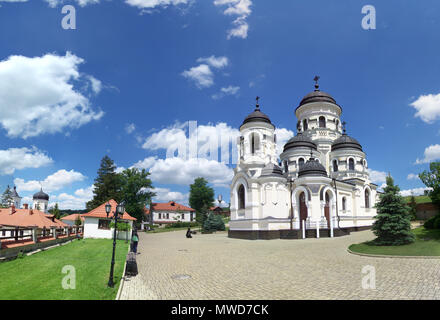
99,212
12,217
170,212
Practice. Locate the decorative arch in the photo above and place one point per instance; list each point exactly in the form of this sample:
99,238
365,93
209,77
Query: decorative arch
322,122
241,181
335,165
351,164
344,203
305,125
301,162
367,197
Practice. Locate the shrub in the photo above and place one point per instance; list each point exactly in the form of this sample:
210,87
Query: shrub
214,223
180,224
122,226
429,224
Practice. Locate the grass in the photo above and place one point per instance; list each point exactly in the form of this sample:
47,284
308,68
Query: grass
39,276
427,243
419,199
161,230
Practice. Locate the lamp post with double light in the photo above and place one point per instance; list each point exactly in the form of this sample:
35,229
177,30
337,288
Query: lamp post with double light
118,213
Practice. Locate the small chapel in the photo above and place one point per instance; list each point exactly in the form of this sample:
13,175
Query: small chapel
319,185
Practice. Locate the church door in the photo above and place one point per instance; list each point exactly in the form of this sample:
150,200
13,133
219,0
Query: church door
327,209
302,208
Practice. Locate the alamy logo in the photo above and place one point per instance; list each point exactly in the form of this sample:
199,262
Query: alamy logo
369,20
69,20
369,280
69,281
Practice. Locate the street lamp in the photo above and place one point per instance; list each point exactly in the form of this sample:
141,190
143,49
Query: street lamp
120,209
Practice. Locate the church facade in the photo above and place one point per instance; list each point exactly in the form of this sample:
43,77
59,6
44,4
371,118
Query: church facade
318,186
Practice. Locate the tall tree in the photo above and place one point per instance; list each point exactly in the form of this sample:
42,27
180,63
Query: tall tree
7,198
56,211
136,190
431,179
392,225
201,198
107,184
413,207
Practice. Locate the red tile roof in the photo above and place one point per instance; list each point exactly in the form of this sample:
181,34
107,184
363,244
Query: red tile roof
168,206
28,218
72,217
99,212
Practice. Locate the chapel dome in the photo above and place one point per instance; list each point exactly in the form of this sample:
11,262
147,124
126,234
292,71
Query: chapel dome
40,195
346,142
312,168
299,140
317,96
257,116
271,169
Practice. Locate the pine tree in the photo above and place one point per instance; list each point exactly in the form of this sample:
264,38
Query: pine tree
214,223
392,225
56,211
201,198
413,208
7,198
107,185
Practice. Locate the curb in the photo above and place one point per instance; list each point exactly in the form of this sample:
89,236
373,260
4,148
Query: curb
121,283
388,256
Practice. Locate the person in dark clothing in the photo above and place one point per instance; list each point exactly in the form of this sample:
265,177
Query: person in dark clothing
188,233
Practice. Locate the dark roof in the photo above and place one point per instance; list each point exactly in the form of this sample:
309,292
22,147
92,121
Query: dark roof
40,195
300,140
257,116
271,169
346,141
14,193
317,96
312,168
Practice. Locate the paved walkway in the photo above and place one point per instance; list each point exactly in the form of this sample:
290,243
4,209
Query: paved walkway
217,267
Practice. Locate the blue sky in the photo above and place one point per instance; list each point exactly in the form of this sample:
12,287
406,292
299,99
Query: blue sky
132,74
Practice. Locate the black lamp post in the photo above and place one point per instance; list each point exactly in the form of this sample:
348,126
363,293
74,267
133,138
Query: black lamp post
120,209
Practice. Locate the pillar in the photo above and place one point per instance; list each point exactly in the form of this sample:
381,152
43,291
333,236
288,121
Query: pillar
54,232
34,234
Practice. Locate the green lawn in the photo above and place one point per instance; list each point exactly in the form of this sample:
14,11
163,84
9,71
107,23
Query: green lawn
39,276
419,199
427,244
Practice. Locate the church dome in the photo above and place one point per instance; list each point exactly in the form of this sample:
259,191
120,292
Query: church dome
40,195
14,193
312,168
317,96
346,142
271,169
299,140
257,116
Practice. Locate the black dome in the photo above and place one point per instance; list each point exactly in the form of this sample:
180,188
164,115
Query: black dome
257,116
346,141
271,169
299,140
40,195
312,168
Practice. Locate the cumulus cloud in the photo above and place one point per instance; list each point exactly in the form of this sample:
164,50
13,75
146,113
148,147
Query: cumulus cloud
431,153
22,158
428,107
75,201
130,127
412,176
377,177
165,195
151,4
226,91
241,10
283,135
56,181
81,3
415,192
202,75
38,95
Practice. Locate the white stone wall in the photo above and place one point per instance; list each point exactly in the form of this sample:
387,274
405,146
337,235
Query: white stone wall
161,216
91,229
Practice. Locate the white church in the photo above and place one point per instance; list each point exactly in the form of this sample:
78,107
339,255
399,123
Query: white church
321,187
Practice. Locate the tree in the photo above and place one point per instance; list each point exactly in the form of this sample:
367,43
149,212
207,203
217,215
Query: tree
431,179
392,225
55,211
201,198
78,221
136,191
413,208
7,198
107,185
214,223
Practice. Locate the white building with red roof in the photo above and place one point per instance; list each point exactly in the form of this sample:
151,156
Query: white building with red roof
170,212
97,224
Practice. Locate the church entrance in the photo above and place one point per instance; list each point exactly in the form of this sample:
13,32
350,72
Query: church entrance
327,209
302,208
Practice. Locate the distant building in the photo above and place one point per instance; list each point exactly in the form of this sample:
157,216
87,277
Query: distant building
41,201
97,224
16,199
71,219
169,212
221,211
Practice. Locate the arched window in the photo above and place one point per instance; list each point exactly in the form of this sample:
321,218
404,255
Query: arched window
286,166
367,198
305,125
344,204
322,122
335,166
351,164
255,143
337,125
241,201
300,163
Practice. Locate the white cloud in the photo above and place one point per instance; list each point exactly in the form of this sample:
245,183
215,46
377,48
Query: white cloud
77,201
183,172
428,107
241,9
201,75
22,158
81,3
378,177
38,96
165,195
415,192
412,176
431,153
150,4
130,127
215,62
56,181
227,91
